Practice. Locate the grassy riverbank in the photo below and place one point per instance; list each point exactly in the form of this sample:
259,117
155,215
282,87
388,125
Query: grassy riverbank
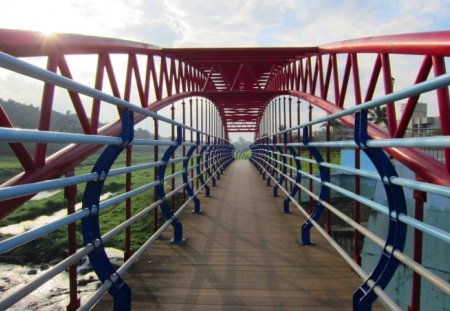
54,245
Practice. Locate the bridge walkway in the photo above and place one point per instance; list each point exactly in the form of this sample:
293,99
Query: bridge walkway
241,254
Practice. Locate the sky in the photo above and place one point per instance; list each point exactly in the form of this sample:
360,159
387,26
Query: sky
205,23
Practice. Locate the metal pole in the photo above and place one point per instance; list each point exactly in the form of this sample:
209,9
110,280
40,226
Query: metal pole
127,253
184,139
155,172
70,193
328,155
299,149
311,203
192,139
196,126
290,139
285,126
172,201
357,152
420,198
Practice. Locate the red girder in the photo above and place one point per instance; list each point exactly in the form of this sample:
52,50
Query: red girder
239,81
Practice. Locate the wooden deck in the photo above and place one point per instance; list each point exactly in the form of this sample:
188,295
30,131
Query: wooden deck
241,254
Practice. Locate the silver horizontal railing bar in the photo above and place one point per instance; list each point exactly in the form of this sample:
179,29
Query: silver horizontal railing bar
14,135
134,168
122,197
427,274
25,290
114,232
177,160
26,189
422,142
30,235
174,175
152,142
418,142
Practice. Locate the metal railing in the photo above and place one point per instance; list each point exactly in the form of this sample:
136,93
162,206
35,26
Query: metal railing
270,154
211,154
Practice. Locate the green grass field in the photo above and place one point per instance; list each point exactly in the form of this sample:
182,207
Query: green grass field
54,244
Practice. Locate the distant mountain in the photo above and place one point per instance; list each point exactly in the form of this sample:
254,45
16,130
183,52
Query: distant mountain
27,117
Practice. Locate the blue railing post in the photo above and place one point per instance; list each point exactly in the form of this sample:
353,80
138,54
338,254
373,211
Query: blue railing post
283,169
199,171
298,176
324,194
90,226
271,159
189,191
262,153
210,160
364,296
160,191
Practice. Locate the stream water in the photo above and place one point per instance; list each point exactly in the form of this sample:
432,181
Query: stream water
53,295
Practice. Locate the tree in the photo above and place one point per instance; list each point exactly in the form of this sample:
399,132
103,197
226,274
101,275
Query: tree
377,115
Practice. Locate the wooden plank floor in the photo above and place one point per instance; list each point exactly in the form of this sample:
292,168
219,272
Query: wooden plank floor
241,254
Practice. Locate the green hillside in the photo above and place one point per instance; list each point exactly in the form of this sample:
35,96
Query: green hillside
27,117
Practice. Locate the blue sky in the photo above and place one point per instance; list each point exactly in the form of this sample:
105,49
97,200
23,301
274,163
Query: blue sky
205,23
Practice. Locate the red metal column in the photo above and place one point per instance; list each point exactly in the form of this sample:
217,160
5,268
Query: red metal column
191,124
299,140
127,253
40,152
184,138
420,198
202,128
328,156
155,172
444,105
311,203
357,205
201,136
290,138
70,193
388,88
281,136
172,110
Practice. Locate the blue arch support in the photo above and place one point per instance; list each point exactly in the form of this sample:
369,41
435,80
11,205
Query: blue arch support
364,296
189,191
284,169
90,226
165,208
199,171
324,194
298,176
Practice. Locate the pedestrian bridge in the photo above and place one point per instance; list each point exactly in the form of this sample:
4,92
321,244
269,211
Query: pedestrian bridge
267,233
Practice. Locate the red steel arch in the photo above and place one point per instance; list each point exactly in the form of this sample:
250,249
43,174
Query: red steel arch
239,81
